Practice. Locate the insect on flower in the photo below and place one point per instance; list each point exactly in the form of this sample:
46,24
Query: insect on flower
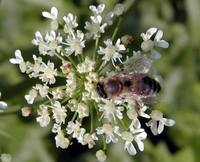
75,91
131,84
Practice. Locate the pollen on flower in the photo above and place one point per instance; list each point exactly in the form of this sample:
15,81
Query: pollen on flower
68,75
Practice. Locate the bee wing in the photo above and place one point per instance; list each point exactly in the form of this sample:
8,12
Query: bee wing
139,64
150,100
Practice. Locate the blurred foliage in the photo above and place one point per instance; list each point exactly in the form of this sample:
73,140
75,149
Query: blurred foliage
179,67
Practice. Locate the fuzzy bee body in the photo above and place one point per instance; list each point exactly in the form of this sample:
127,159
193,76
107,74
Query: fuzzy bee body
128,84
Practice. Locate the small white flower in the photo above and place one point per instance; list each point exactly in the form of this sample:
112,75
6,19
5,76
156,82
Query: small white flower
75,43
75,129
56,128
148,44
19,60
95,28
101,156
110,132
83,110
87,66
57,93
53,15
70,23
34,69
129,137
92,77
71,83
97,10
157,122
42,89
48,73
43,118
61,140
111,111
5,158
30,97
112,52
59,112
18,57
133,112
72,105
109,18
48,45
89,139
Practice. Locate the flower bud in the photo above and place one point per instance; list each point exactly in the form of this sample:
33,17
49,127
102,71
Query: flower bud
66,68
101,156
118,9
127,39
26,111
147,45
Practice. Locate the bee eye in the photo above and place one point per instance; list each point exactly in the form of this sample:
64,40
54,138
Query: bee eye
113,86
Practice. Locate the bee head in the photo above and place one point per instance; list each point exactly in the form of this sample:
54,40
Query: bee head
100,90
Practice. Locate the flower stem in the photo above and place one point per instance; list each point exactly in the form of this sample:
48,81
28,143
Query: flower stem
95,49
60,57
72,61
117,28
91,120
74,116
104,143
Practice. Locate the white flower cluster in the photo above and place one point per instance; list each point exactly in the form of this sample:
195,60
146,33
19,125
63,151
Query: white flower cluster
67,90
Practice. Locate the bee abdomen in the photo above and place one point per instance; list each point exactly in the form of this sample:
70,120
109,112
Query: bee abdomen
152,86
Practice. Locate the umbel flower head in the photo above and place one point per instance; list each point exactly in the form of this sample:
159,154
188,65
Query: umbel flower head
71,82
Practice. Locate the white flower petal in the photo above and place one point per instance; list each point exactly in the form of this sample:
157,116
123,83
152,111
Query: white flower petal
155,55
53,15
160,127
18,58
154,127
168,122
140,145
101,8
162,44
150,32
46,14
54,12
130,148
159,35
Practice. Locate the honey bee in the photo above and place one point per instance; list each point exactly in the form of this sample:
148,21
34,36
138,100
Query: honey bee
139,86
123,84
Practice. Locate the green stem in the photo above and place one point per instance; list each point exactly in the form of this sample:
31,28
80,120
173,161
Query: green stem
60,74
104,143
123,124
60,57
72,61
91,120
117,28
74,116
95,49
